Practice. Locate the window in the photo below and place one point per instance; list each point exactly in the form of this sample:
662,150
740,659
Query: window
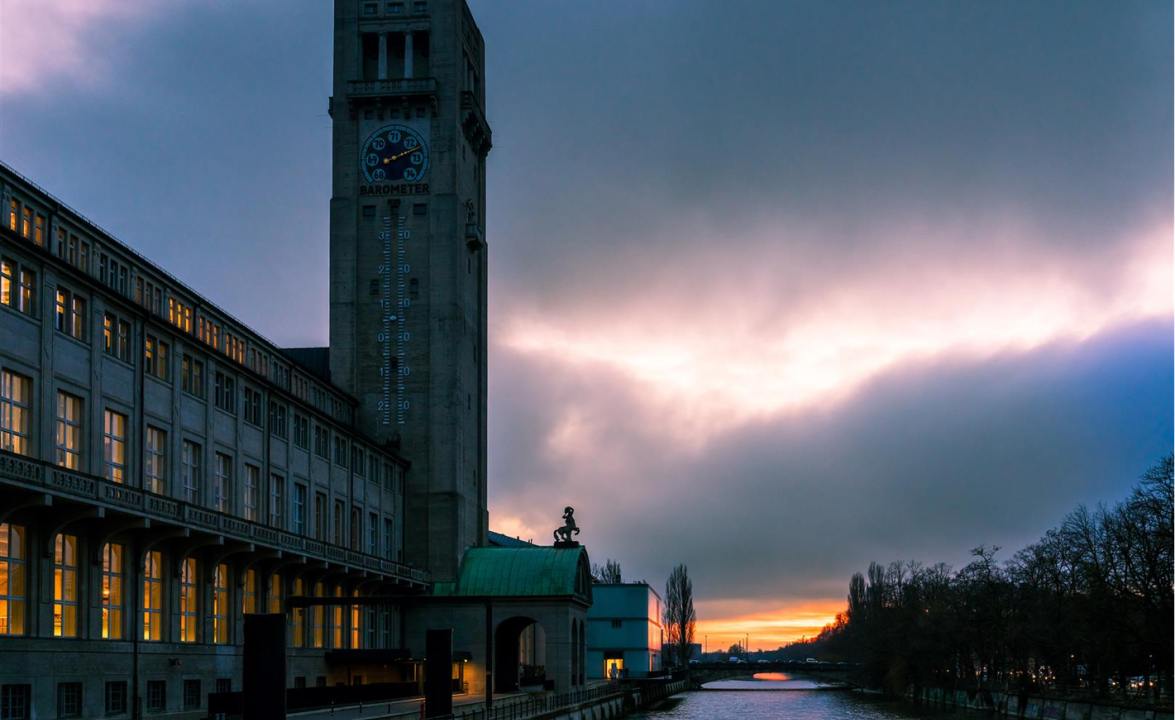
277,419
252,491
116,697
249,597
156,358
616,623
191,694
26,222
190,474
389,546
179,314
298,637
15,702
252,406
155,461
114,446
112,591
302,431
153,596
224,685
69,699
16,393
321,441
18,286
336,621
277,498
65,585
156,695
340,450
275,593
116,337
225,393
192,371
299,509
320,516
39,230
222,483
372,533
339,524
188,616
71,314
356,625
68,439
356,528
13,556
317,618
220,616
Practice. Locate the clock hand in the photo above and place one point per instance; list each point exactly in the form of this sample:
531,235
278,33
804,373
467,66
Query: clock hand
400,155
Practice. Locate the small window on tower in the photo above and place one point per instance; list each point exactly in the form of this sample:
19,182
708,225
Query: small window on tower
368,212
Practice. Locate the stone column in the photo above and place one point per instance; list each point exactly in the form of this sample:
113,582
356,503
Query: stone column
383,56
408,54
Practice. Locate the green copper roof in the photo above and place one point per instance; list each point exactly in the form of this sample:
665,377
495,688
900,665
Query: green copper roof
521,572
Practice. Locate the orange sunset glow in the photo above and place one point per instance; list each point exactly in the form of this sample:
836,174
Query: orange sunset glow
767,630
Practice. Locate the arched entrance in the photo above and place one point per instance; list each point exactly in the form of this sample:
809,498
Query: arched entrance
520,654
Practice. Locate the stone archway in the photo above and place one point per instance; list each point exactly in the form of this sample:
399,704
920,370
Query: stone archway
520,654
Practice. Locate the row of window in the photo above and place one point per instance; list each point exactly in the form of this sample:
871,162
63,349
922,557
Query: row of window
316,627
16,421
16,418
16,699
18,290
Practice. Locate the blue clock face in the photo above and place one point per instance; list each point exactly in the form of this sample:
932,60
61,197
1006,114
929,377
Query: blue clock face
394,153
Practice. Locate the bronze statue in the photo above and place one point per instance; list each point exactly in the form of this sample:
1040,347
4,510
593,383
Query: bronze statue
563,534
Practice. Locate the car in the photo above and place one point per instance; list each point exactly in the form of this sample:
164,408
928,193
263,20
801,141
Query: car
813,661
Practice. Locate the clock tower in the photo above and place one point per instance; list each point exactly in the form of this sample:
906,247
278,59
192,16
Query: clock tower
408,256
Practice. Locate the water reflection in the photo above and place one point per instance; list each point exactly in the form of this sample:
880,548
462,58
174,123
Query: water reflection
827,705
770,681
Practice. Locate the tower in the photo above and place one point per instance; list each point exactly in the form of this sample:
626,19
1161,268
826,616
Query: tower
408,259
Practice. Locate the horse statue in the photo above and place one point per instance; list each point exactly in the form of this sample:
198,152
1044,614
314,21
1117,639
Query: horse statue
563,534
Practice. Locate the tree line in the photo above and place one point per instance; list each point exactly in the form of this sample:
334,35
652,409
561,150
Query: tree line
1086,610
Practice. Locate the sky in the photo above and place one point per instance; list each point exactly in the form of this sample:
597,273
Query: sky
776,288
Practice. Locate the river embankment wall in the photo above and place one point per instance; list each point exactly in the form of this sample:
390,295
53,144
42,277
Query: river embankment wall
1031,707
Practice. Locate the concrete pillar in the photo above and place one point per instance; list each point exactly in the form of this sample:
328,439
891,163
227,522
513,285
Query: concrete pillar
383,56
408,54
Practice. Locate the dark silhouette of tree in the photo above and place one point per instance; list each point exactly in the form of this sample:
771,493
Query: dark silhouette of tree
679,615
609,574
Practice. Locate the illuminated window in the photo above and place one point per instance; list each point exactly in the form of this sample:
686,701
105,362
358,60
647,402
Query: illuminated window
220,616
179,314
277,498
317,617
18,286
188,617
112,591
13,557
190,471
68,437
114,446
156,358
71,314
13,210
336,621
252,491
249,599
222,483
65,585
116,337
298,638
356,625
192,372
275,593
153,596
26,222
39,230
15,412
155,461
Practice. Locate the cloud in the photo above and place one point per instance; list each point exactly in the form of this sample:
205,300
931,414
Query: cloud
47,41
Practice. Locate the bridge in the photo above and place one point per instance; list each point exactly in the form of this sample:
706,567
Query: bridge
828,672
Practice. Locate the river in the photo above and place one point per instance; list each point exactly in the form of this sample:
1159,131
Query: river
779,696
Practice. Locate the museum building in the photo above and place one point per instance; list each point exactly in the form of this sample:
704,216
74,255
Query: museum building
165,470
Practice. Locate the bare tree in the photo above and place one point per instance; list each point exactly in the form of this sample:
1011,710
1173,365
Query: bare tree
609,574
679,614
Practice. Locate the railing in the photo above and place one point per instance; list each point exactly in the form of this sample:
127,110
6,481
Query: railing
398,86
527,707
41,475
